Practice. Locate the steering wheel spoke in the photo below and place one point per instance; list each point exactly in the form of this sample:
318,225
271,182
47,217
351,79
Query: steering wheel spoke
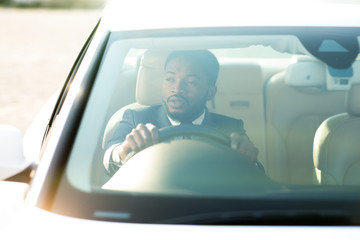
189,131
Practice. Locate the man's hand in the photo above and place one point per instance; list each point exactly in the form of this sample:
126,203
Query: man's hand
244,145
139,138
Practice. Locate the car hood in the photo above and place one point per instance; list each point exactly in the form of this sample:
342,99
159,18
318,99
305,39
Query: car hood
40,224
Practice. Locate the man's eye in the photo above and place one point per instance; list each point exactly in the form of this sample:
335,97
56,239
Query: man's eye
191,82
169,79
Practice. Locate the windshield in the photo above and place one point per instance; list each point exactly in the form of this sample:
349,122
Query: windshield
232,118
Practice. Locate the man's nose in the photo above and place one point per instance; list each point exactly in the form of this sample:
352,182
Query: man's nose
178,87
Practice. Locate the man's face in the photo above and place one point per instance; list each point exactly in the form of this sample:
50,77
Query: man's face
186,89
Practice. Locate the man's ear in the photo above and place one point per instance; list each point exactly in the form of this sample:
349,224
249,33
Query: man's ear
211,92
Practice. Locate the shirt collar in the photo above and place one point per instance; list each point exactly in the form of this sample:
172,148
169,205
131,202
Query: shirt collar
197,121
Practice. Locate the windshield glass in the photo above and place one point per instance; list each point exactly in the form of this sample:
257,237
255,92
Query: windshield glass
226,117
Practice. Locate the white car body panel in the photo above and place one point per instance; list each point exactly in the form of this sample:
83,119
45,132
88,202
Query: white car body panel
140,15
12,157
42,225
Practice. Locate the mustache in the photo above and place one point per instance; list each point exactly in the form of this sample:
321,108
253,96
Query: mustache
177,96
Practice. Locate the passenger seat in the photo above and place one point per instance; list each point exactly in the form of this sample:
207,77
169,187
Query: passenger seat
337,145
297,102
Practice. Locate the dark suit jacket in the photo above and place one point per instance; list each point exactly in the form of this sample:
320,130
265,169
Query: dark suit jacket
157,115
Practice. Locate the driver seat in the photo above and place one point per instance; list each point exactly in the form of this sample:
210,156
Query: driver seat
336,145
148,90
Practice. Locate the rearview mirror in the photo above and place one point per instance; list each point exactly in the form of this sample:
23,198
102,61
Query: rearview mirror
337,49
12,160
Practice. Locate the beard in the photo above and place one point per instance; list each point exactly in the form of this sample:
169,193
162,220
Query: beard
187,116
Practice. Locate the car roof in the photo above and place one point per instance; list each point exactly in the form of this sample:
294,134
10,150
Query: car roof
165,14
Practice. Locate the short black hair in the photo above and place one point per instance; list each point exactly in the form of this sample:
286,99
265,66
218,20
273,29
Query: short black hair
204,57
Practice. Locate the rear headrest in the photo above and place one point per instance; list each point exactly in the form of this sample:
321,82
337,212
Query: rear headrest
306,73
233,77
150,77
353,100
151,74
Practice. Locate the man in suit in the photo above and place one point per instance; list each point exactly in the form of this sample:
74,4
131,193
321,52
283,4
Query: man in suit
190,78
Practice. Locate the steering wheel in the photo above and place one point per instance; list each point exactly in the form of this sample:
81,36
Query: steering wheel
173,168
189,131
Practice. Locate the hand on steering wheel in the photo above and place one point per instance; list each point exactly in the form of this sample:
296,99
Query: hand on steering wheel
144,136
141,137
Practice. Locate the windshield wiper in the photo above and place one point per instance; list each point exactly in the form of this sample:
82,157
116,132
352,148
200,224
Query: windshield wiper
288,217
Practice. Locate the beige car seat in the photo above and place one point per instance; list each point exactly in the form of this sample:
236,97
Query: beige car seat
337,145
296,104
240,95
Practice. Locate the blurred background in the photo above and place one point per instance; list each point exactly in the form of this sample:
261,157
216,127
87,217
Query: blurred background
54,3
39,41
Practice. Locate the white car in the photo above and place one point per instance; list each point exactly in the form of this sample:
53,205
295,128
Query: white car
289,70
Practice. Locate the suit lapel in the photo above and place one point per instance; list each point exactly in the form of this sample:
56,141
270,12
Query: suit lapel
162,119
208,120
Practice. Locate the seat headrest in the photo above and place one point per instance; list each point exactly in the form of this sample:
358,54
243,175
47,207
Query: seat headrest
150,77
306,72
234,75
353,100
